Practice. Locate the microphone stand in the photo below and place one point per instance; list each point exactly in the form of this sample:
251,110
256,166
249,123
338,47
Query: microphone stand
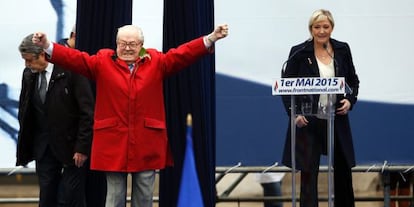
348,90
306,44
293,147
331,118
331,139
293,124
331,136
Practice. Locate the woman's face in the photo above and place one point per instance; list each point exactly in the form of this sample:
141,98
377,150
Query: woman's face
321,31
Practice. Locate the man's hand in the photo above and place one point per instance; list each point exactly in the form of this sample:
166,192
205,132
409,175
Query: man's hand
79,159
221,31
40,39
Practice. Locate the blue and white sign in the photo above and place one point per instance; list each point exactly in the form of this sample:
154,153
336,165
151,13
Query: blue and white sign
308,85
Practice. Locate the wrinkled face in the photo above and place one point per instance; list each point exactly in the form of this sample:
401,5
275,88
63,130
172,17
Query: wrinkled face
35,63
321,31
128,47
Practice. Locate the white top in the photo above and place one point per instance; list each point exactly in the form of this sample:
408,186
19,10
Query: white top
325,71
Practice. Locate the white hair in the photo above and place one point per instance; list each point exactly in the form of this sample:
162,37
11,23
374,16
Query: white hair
131,30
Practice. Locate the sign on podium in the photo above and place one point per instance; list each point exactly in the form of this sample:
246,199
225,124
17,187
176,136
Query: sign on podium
305,86
308,85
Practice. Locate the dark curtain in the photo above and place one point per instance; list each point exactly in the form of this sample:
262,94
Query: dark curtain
96,26
190,91
97,23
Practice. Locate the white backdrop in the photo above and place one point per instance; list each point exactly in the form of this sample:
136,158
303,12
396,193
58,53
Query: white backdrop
380,34
18,19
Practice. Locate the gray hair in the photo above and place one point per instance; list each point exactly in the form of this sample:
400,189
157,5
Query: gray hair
131,29
27,46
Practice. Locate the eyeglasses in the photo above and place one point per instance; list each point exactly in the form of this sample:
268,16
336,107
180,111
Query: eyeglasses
123,45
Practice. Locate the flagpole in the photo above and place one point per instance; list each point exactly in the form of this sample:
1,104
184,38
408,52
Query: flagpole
189,120
190,191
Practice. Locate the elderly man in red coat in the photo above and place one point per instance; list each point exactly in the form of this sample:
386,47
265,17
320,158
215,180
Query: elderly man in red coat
130,133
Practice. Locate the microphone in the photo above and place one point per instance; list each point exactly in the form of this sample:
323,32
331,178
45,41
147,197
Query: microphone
325,46
336,66
307,43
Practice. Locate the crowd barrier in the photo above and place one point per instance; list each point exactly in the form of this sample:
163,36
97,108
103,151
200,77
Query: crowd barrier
221,172
383,169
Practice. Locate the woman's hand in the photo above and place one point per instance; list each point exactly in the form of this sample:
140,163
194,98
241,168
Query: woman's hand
301,121
343,110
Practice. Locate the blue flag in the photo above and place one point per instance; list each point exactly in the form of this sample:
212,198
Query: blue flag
190,193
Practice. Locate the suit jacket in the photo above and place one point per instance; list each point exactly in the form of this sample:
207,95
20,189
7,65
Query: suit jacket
130,132
69,109
303,63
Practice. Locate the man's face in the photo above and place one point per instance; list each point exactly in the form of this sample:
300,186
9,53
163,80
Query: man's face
35,63
128,47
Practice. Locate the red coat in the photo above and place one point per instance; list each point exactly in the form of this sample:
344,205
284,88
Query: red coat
129,127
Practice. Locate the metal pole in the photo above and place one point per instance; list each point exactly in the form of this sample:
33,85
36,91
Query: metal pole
292,147
331,117
387,192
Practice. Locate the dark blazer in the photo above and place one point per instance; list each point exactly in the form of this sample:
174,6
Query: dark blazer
69,110
302,63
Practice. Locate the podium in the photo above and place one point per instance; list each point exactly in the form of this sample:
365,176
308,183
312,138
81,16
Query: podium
312,86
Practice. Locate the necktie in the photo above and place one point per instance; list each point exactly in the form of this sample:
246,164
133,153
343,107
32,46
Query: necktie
43,85
131,67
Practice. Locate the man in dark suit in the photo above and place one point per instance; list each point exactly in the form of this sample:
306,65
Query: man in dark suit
56,118
95,184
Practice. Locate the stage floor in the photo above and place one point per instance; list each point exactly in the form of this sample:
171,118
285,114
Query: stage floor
365,184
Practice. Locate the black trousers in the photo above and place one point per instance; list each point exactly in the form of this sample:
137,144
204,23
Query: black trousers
343,190
60,185
95,187
272,189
